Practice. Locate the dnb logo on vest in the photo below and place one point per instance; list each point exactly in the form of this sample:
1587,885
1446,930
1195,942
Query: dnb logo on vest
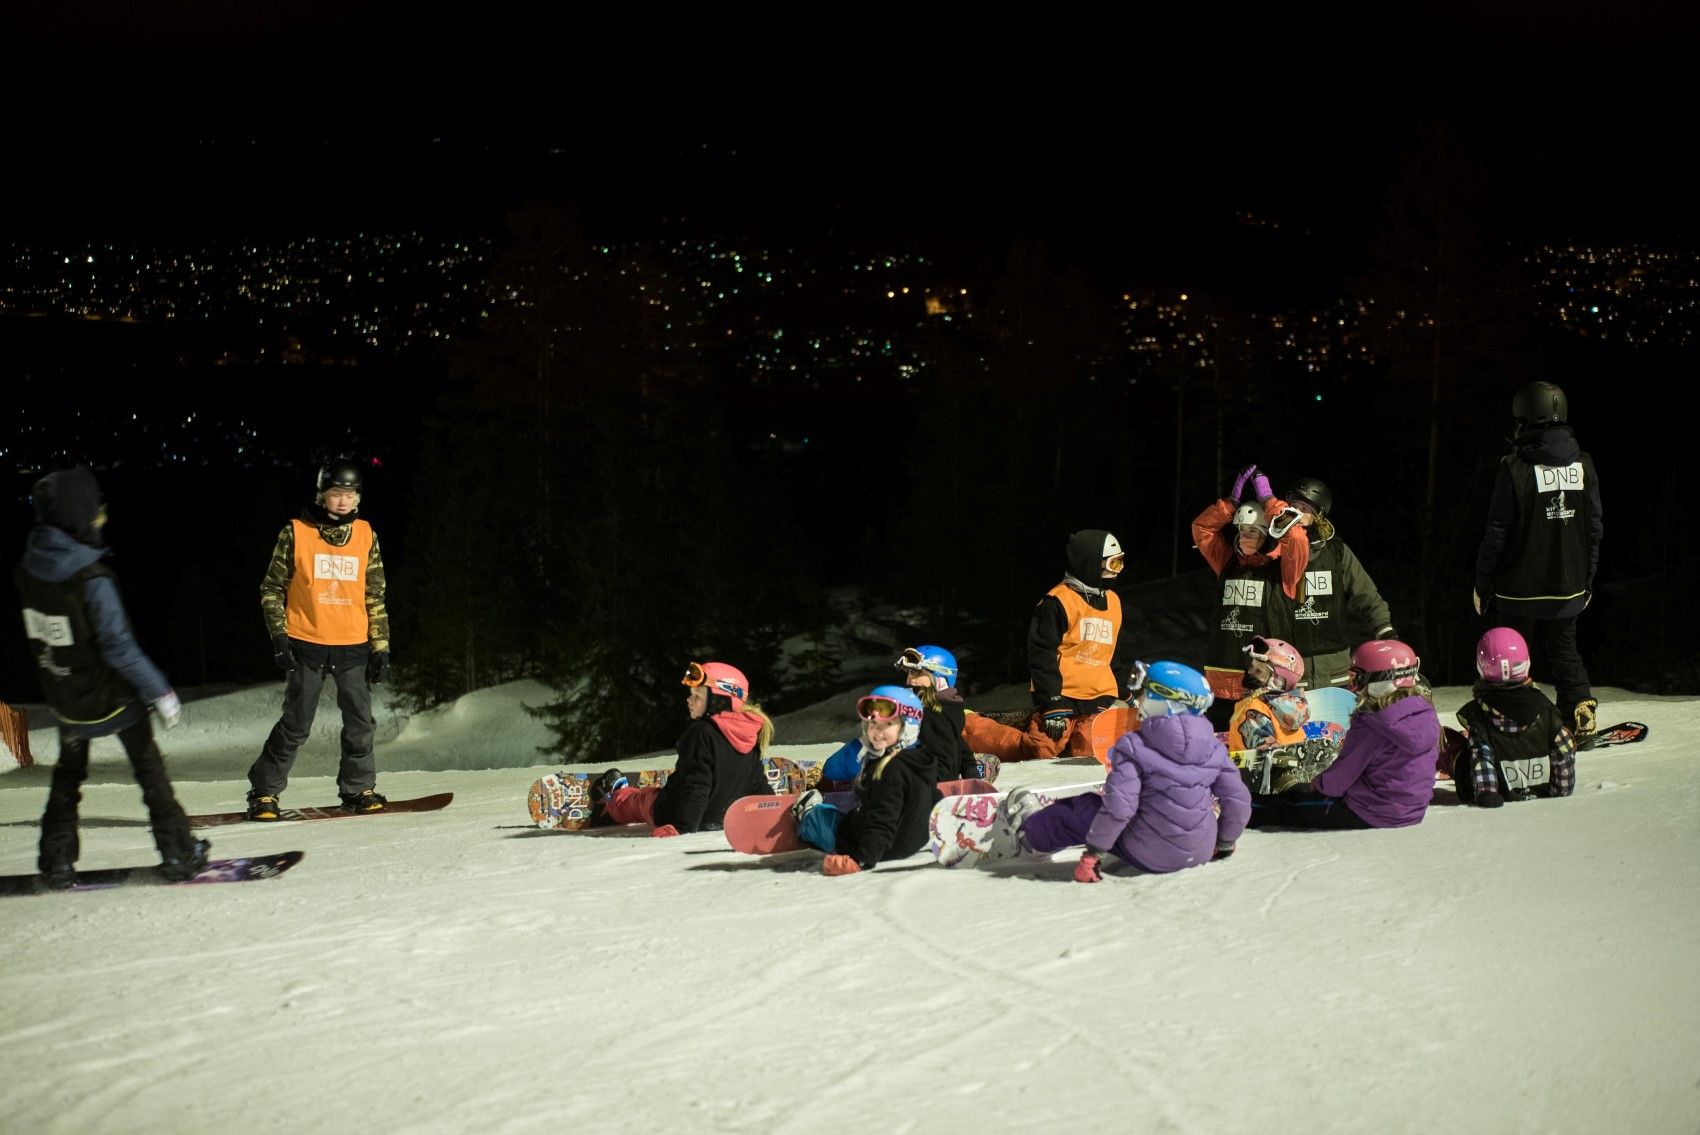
1097,630
1242,593
326,566
1559,478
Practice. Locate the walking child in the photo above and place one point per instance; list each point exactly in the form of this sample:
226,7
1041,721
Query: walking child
720,755
96,678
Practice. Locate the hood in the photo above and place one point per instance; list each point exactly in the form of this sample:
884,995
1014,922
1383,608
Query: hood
1185,738
54,555
1409,723
69,500
1522,703
1085,554
740,728
1549,445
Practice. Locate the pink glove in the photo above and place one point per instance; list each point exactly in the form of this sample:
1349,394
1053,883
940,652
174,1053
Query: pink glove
839,865
664,831
1240,482
1086,871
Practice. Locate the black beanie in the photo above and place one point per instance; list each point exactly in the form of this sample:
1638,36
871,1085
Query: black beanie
69,500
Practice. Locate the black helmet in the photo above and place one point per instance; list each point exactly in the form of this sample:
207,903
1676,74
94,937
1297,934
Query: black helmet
339,473
1313,492
1540,404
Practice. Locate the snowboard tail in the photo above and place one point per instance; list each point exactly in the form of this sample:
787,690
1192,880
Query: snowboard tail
1623,733
963,828
216,871
333,812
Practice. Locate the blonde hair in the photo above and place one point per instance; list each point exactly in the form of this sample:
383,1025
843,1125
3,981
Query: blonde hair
765,737
928,694
879,765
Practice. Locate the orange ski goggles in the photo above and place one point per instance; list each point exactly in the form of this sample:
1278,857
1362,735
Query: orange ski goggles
695,675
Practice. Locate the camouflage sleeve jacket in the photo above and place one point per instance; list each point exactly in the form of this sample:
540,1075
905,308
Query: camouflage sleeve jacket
274,588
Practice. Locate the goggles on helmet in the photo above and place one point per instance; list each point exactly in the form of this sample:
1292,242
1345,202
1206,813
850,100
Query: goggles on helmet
1360,678
695,675
911,660
872,708
1200,702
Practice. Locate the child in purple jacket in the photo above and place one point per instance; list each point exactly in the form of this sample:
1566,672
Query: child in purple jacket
1172,798
1384,775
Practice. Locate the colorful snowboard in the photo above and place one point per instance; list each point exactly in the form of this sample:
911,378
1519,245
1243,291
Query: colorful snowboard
334,812
763,825
1623,733
1277,768
962,827
562,799
216,871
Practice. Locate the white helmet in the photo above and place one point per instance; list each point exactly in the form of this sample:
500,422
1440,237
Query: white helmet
1250,515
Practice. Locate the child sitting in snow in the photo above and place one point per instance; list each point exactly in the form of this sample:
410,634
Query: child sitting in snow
1384,775
720,754
932,672
1518,743
1171,799
895,784
1275,712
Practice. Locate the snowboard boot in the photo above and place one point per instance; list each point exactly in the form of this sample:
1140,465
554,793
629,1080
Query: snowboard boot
184,866
601,788
263,808
805,803
367,801
58,876
1007,840
1585,718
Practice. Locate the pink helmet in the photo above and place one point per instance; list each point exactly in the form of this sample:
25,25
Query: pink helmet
719,678
1286,662
1382,666
1502,656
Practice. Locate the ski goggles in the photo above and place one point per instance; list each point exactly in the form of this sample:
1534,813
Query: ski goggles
1115,562
1359,679
695,675
874,708
1200,702
912,661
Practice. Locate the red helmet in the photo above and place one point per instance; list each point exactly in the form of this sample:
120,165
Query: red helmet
719,678
1382,666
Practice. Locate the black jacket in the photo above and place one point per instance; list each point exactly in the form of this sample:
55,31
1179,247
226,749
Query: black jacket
710,775
893,813
1542,543
942,739
1341,605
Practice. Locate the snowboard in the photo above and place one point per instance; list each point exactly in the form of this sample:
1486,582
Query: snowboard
1111,726
763,825
332,812
562,799
216,871
1623,733
1331,704
1277,768
962,827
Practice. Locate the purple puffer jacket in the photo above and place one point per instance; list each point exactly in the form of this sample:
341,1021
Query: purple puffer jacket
1156,812
1385,770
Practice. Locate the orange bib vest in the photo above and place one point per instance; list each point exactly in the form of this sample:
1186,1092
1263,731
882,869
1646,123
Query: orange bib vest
1284,734
1084,654
327,592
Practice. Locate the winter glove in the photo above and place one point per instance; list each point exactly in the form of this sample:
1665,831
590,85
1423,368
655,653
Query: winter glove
1260,487
1056,723
1086,871
282,655
1389,635
377,668
1240,482
170,710
664,831
839,865
1223,850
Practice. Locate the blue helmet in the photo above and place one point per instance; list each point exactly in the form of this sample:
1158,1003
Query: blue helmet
1174,688
885,702
934,660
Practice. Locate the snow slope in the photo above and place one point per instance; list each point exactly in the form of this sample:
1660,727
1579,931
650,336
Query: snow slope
1530,969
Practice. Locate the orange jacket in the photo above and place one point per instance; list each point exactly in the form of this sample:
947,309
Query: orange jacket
1212,532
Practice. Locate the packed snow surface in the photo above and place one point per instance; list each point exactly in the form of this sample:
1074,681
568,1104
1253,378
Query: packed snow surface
1531,969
